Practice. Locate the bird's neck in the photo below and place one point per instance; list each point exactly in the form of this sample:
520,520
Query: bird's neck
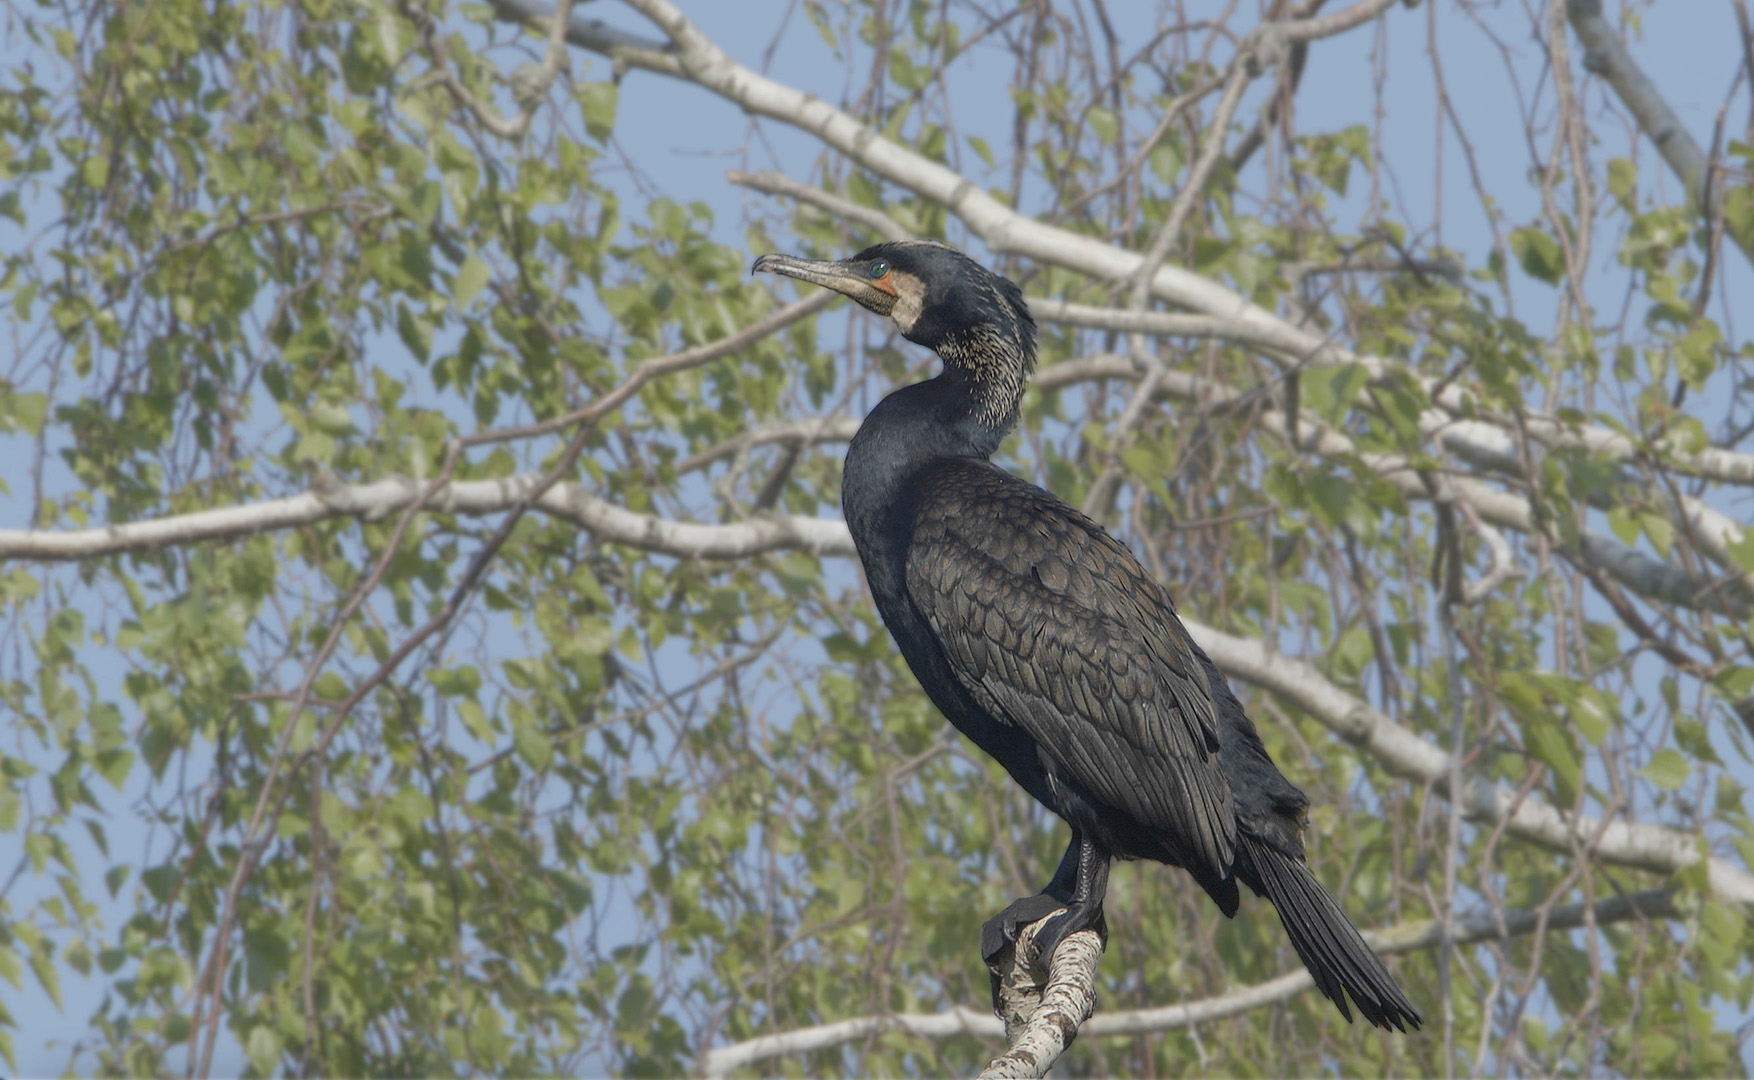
986,369
917,425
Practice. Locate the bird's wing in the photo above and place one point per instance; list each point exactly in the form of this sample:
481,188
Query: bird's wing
1052,625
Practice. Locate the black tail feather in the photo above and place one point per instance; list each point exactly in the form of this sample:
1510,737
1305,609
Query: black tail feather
1324,937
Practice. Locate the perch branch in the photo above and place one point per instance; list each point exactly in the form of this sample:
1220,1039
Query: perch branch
1409,937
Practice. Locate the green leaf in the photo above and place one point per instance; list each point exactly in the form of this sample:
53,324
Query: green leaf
1591,716
330,686
1624,524
1330,391
1104,122
531,741
597,101
27,411
1660,531
263,1047
332,419
1539,253
471,277
1550,746
460,681
42,965
415,331
1622,179
114,766
1667,769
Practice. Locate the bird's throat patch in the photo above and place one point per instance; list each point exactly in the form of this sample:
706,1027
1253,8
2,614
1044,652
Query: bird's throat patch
910,298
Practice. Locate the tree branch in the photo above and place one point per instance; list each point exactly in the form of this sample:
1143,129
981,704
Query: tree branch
474,498
697,58
1648,576
776,183
1409,937
1042,1004
1477,440
1398,750
530,82
836,428
1403,753
1606,55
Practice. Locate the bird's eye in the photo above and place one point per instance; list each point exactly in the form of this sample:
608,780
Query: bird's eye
878,268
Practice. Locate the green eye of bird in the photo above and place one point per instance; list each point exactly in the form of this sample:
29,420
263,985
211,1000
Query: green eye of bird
879,268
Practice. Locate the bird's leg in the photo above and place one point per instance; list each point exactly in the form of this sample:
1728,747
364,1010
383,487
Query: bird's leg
1001,930
1076,893
1083,910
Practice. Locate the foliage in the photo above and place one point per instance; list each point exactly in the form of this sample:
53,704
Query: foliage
621,805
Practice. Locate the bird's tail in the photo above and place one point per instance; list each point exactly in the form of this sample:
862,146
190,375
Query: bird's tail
1324,937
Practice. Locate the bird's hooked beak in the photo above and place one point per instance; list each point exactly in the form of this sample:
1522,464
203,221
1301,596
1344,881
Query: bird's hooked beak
852,278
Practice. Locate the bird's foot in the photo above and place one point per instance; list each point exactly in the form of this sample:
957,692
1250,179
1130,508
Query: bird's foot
1078,915
999,933
1001,930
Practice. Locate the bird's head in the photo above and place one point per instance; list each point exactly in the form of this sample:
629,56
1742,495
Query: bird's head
938,297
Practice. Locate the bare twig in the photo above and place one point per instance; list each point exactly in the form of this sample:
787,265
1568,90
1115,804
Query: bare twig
530,82
774,183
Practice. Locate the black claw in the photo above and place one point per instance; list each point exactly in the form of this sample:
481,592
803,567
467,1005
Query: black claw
1001,930
1077,917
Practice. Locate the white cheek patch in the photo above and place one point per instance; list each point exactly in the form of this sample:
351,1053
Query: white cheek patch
910,299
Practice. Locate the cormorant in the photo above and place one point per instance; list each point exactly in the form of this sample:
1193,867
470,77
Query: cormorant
1044,641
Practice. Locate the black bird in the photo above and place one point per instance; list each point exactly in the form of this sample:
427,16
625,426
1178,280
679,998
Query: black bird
1043,640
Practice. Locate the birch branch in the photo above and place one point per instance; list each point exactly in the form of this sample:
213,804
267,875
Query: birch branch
696,57
530,82
1320,26
837,429
1403,754
1477,440
1409,937
1649,577
474,498
775,183
1606,55
1399,751
1042,1004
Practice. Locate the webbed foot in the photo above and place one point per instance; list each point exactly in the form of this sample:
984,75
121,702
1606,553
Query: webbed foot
1075,895
1001,930
1075,917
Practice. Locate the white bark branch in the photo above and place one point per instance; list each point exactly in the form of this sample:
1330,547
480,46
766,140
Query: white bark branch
835,428
1476,440
1403,753
530,82
373,501
1043,1005
1398,750
1647,576
696,57
1641,573
775,183
1607,56
1503,566
1411,937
